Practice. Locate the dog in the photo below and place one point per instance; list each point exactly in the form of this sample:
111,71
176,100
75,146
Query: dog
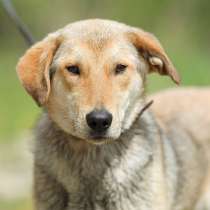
98,144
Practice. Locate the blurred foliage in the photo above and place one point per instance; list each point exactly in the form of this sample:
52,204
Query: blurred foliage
181,25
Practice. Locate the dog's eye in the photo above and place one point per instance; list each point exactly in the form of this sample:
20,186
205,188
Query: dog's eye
73,69
120,68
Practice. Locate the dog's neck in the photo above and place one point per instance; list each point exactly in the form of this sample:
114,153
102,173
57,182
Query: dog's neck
88,163
122,159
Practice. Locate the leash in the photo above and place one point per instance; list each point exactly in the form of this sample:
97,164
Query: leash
12,14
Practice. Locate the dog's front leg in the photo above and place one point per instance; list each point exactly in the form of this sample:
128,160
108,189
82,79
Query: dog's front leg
48,193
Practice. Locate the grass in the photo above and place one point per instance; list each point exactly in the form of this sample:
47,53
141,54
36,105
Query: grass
17,110
16,205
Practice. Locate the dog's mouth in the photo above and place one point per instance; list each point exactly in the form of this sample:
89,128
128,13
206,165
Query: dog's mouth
99,138
97,135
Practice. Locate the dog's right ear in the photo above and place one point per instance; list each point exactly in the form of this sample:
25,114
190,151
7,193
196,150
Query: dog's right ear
33,68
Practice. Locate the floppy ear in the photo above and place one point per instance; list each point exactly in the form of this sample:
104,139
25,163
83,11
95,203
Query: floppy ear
150,48
33,68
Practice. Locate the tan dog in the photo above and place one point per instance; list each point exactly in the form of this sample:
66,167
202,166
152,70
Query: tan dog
93,149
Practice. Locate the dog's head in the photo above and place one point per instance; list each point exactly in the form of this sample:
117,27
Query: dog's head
90,76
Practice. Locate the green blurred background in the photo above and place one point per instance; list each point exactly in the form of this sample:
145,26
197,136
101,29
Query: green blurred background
183,27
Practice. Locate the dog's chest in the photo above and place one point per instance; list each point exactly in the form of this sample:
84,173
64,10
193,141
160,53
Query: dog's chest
102,185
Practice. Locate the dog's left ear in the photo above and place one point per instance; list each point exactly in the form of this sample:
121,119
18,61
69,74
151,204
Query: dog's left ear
150,48
33,68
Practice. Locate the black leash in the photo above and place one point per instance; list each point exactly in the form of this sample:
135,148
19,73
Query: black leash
12,14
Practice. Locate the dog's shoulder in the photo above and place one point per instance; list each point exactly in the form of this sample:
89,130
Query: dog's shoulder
187,108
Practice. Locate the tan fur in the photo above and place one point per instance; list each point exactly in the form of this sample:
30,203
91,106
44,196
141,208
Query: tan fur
190,109
150,160
148,45
33,69
174,105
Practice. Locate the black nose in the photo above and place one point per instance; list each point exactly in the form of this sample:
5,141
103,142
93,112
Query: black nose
99,120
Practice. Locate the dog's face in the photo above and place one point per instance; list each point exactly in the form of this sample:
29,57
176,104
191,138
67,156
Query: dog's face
95,85
90,76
